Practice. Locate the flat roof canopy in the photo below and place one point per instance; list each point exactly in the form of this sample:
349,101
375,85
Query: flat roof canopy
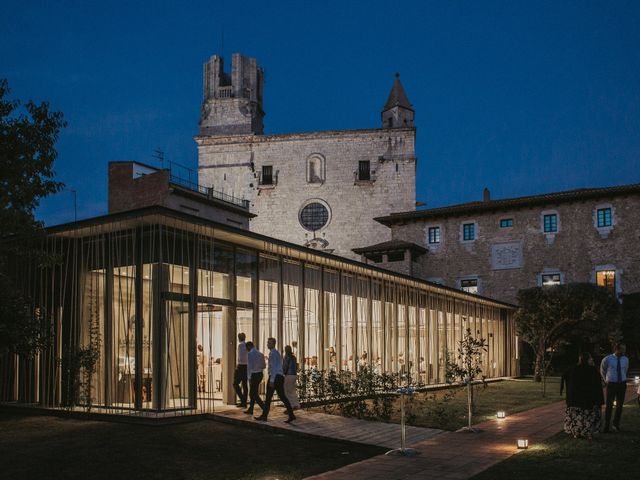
158,215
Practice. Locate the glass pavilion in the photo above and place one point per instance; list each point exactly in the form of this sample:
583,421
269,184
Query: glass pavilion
160,296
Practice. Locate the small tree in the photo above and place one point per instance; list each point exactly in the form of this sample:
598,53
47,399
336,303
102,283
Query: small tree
468,367
550,317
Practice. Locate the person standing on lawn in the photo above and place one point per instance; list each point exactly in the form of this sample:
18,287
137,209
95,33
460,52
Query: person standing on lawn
255,368
613,370
276,383
584,398
240,375
290,369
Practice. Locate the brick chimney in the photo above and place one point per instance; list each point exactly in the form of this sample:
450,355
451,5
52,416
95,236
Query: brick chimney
486,195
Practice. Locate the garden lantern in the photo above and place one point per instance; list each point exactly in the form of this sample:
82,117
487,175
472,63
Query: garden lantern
523,444
501,414
403,450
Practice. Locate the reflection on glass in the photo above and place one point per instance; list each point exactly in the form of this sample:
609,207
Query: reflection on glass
346,331
176,335
268,309
215,272
147,335
311,317
246,266
178,278
292,274
331,318
124,336
92,331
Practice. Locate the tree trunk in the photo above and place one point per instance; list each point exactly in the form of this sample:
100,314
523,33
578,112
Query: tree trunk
469,401
538,370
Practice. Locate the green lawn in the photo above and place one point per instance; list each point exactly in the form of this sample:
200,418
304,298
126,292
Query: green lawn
49,447
608,456
512,396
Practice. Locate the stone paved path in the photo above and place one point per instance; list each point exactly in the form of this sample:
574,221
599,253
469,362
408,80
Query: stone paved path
457,456
333,426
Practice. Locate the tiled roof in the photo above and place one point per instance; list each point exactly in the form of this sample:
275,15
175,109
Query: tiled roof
397,96
391,245
511,203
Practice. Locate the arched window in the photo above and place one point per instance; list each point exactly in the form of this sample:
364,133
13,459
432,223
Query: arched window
315,168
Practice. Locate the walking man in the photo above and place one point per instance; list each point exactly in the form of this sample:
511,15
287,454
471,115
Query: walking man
240,375
276,383
613,370
255,367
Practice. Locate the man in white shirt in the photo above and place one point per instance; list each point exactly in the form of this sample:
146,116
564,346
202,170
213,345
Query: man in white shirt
613,370
240,374
255,367
276,383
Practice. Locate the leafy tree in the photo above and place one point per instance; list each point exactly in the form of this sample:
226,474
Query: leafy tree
28,133
468,367
550,317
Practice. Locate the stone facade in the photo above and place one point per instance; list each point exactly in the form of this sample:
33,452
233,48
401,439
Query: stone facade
335,182
503,260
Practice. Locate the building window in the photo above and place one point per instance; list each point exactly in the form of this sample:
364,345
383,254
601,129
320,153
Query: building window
468,232
606,279
550,279
267,175
375,257
314,216
434,235
604,217
469,285
364,170
550,223
506,223
395,257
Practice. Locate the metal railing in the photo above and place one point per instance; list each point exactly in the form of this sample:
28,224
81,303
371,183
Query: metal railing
364,177
209,192
267,181
225,92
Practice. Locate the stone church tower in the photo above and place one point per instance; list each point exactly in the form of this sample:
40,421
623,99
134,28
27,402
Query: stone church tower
232,103
319,189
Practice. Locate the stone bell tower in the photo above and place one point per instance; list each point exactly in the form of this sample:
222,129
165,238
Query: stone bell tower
232,104
397,112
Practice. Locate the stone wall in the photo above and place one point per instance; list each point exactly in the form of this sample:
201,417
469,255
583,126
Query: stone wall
506,260
233,164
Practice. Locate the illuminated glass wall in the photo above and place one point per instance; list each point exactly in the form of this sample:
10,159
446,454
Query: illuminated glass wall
158,304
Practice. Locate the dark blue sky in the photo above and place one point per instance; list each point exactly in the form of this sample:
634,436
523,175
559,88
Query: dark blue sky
521,97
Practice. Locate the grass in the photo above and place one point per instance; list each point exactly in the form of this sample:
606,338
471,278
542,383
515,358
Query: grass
560,457
49,447
441,410
512,396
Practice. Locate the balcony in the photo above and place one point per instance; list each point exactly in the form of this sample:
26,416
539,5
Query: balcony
267,181
364,177
225,92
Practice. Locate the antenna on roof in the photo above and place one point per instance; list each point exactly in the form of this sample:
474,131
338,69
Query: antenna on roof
158,154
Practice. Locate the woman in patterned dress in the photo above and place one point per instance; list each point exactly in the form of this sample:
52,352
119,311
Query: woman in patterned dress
584,398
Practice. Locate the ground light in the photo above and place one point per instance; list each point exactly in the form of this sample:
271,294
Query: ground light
523,444
501,414
403,451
